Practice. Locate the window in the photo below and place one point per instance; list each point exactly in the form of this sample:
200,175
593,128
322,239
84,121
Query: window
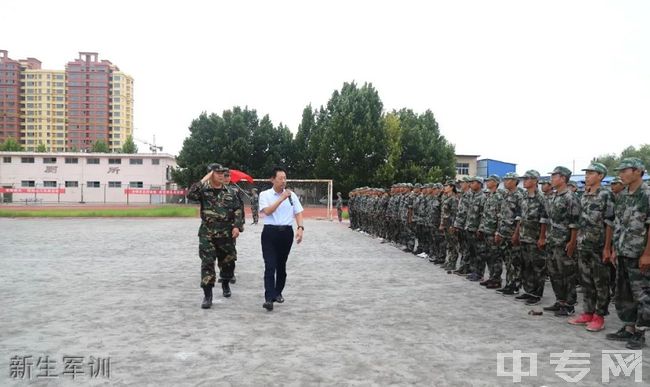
115,161
6,159
49,183
135,184
28,183
71,184
155,161
92,184
49,160
92,160
114,184
135,161
72,160
27,160
462,168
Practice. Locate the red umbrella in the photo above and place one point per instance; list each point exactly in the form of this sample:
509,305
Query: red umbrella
236,176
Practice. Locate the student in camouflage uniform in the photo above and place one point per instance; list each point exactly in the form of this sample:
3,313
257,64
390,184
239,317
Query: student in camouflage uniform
531,235
339,207
508,218
459,226
255,205
448,209
616,186
594,243
406,218
418,219
439,245
476,243
564,214
488,229
222,219
631,252
392,214
547,191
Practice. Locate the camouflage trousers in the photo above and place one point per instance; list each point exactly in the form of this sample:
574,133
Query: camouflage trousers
476,260
594,274
408,235
632,299
451,239
424,236
439,244
221,250
533,269
339,213
563,271
463,248
256,213
512,260
493,258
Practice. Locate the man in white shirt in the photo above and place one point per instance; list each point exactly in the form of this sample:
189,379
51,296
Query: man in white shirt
281,207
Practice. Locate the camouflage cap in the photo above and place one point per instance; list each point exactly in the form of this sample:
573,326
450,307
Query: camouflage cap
597,167
494,178
531,174
511,176
450,182
616,180
573,183
215,167
475,178
440,186
417,186
465,179
560,170
545,181
631,162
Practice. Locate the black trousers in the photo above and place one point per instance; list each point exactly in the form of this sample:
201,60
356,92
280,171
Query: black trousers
276,245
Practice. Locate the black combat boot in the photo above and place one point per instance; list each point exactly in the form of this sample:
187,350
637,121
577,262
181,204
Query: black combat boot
225,285
207,299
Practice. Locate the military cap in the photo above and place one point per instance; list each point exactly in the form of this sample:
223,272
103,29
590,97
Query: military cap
597,167
573,183
465,179
494,178
417,185
214,167
616,180
560,170
439,185
408,185
631,162
255,190
531,174
511,175
450,182
544,181
476,178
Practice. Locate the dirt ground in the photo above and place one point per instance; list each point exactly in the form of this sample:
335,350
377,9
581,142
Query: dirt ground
357,312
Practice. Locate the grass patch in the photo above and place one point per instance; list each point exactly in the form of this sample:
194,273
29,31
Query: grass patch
164,212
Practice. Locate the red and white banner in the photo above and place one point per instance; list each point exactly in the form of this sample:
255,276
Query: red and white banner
167,192
33,190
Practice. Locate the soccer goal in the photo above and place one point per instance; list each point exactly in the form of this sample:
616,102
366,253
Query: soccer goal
315,194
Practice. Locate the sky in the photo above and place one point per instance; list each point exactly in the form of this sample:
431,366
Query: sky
537,83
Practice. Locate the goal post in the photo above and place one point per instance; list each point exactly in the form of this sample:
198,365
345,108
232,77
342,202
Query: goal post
313,193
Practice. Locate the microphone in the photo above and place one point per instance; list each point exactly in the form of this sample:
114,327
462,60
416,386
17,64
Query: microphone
290,201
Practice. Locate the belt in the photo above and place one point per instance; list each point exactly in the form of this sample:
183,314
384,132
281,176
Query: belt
278,227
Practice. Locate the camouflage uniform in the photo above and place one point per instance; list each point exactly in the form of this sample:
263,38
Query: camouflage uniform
221,211
255,206
459,224
405,211
418,218
509,215
488,228
631,224
448,209
476,244
564,214
533,260
439,248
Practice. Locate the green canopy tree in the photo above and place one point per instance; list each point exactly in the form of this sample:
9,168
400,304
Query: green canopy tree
11,145
611,160
99,146
41,148
129,146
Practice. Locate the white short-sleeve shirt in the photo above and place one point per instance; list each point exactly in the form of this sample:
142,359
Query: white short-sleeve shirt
285,213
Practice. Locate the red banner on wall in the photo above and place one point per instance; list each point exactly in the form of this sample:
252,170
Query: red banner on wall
167,192
33,190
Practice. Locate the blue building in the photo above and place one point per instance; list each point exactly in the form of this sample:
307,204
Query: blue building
487,167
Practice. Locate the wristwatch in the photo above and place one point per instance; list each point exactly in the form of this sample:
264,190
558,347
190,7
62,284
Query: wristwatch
303,229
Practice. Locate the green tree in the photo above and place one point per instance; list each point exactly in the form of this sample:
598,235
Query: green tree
353,143
41,148
11,145
99,146
611,160
129,146
388,170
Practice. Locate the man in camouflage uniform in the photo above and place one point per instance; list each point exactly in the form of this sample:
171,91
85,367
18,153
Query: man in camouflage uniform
547,191
562,265
476,242
382,216
531,235
594,244
222,219
418,217
488,229
509,216
352,208
616,186
392,213
448,208
459,226
339,206
406,218
255,205
631,251
438,249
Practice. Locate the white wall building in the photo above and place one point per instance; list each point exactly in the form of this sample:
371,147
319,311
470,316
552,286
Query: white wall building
85,177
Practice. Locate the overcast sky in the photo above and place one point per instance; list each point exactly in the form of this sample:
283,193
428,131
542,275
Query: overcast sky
537,83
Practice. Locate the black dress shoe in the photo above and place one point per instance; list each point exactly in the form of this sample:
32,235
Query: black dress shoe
279,299
226,289
268,305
